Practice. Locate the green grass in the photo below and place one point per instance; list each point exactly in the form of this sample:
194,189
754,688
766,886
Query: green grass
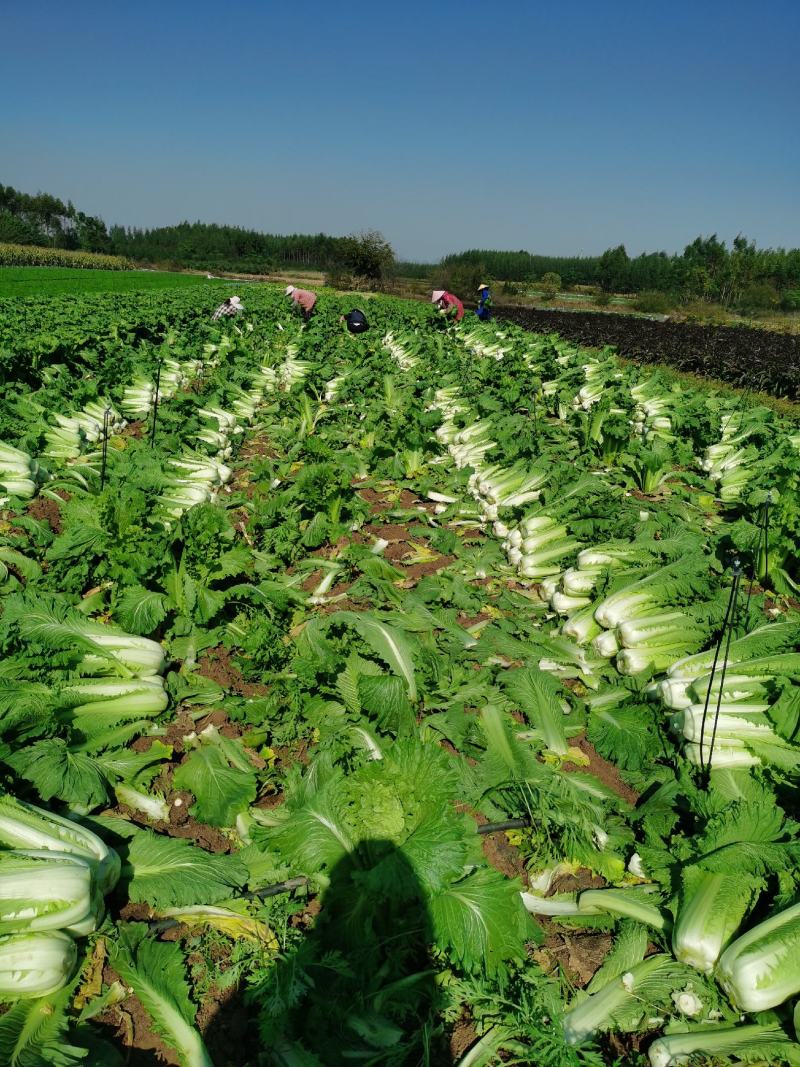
50,281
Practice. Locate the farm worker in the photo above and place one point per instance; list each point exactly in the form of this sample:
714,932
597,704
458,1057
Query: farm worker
232,306
356,321
449,304
303,298
484,311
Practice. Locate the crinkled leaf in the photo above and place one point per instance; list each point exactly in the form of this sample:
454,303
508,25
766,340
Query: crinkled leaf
482,922
168,872
55,771
141,610
221,792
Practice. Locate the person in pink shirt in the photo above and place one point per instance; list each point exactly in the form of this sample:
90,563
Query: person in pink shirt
449,304
303,298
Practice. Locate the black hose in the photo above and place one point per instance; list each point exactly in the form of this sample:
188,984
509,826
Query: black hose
509,824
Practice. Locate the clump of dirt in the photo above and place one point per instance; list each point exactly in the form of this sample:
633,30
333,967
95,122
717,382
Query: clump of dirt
217,665
46,510
269,801
472,620
377,501
302,920
219,718
416,571
227,1028
396,551
602,769
287,756
180,726
576,882
502,855
579,953
392,531
409,500
312,581
462,1036
256,446
343,605
136,913
183,825
133,1030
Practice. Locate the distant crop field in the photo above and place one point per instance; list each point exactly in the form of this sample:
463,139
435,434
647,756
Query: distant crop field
50,281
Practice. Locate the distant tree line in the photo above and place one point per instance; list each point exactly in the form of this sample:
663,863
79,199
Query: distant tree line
44,220
706,270
210,246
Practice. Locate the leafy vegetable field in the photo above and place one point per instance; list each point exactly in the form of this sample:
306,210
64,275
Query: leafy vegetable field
48,281
430,696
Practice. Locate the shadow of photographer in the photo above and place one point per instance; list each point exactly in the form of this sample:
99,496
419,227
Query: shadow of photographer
361,987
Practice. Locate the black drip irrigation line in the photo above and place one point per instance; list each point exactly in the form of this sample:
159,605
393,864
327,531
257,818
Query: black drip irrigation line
298,883
104,461
155,405
725,635
509,824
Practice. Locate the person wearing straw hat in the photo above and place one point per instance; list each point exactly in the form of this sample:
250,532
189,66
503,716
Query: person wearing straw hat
303,299
448,305
231,306
484,311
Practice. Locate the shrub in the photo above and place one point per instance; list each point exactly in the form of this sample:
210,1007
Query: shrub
706,312
761,296
790,300
602,300
653,301
550,283
461,278
338,278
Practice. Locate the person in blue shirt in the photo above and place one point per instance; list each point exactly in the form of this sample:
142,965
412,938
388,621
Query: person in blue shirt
484,311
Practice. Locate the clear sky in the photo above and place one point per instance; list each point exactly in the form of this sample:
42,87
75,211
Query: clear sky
558,128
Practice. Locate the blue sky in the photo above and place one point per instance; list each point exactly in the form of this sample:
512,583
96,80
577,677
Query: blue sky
556,128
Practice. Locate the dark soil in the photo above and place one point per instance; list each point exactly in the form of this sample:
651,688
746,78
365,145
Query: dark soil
133,1030
472,620
742,356
227,1028
183,825
46,510
393,531
415,571
576,882
377,501
502,855
462,1037
579,953
606,772
135,429
217,664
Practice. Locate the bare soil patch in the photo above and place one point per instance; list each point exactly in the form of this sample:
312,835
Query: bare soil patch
579,953
602,769
462,1036
46,510
217,665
